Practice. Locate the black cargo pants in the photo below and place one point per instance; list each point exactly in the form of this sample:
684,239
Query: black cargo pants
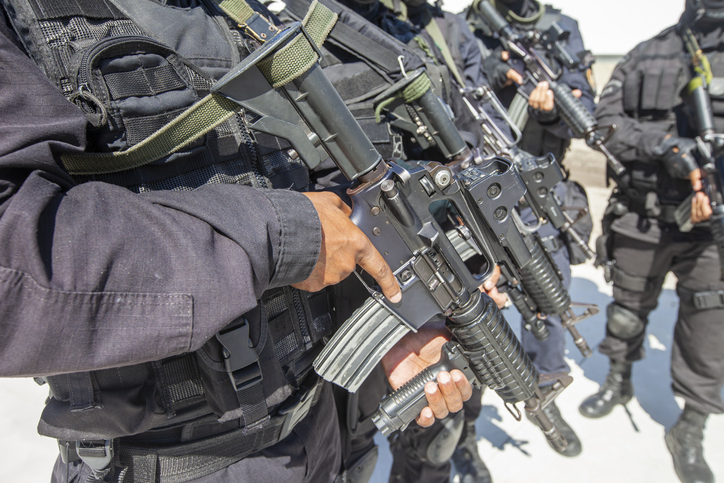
697,365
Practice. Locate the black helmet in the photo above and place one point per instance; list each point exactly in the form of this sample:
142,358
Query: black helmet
704,11
519,12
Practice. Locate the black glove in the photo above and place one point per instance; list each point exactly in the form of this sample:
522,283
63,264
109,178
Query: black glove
544,117
678,156
496,70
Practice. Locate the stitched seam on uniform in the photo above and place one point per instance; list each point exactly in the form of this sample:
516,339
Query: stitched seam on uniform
14,277
281,240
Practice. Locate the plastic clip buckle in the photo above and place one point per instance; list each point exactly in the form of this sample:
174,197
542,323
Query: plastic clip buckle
240,359
96,454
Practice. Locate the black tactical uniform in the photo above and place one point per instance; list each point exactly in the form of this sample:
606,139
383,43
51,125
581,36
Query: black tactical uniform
155,301
543,132
646,97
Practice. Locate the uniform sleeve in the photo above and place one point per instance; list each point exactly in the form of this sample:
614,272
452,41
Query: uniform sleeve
94,276
634,140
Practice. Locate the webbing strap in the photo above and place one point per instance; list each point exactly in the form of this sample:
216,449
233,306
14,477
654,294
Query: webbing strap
628,282
299,55
409,94
80,391
350,39
199,119
433,29
709,300
288,63
238,10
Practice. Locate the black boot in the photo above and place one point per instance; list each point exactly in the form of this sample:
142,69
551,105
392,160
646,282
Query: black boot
466,459
574,444
684,443
616,390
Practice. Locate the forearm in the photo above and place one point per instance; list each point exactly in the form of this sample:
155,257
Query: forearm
96,269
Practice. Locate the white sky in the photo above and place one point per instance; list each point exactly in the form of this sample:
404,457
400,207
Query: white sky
611,26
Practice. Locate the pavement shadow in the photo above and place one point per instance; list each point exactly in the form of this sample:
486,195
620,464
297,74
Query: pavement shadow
492,432
651,375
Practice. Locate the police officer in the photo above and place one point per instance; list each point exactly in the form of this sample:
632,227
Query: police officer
543,132
174,307
647,97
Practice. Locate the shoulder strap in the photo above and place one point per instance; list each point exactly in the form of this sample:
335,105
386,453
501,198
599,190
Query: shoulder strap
433,29
282,67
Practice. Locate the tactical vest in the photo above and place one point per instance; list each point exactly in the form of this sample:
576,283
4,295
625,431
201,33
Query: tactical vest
656,77
129,82
362,61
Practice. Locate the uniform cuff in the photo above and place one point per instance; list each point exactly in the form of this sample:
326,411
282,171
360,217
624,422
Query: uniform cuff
300,237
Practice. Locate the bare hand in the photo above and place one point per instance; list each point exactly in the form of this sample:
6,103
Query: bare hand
700,205
413,353
490,287
513,75
344,246
541,97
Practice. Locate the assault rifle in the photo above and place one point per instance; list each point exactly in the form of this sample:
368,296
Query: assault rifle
392,206
540,174
533,283
572,111
710,143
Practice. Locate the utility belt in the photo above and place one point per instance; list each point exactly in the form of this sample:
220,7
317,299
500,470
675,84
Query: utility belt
160,456
649,205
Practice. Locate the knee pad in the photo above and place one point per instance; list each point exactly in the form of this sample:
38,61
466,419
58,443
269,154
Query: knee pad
434,445
623,323
361,470
441,445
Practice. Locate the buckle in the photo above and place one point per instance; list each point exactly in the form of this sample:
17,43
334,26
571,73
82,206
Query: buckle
96,454
240,358
299,406
67,451
259,28
709,300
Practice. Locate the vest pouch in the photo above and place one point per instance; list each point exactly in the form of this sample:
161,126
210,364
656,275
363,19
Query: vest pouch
130,87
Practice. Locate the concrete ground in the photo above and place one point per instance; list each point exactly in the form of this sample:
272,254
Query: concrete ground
626,447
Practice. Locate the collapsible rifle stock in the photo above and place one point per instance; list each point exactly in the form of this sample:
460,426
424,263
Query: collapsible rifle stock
572,111
392,206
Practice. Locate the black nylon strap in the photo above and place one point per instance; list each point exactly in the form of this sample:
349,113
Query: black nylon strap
349,39
184,462
143,82
80,391
97,9
625,281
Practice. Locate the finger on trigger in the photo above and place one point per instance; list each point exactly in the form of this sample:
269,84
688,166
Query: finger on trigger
374,264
